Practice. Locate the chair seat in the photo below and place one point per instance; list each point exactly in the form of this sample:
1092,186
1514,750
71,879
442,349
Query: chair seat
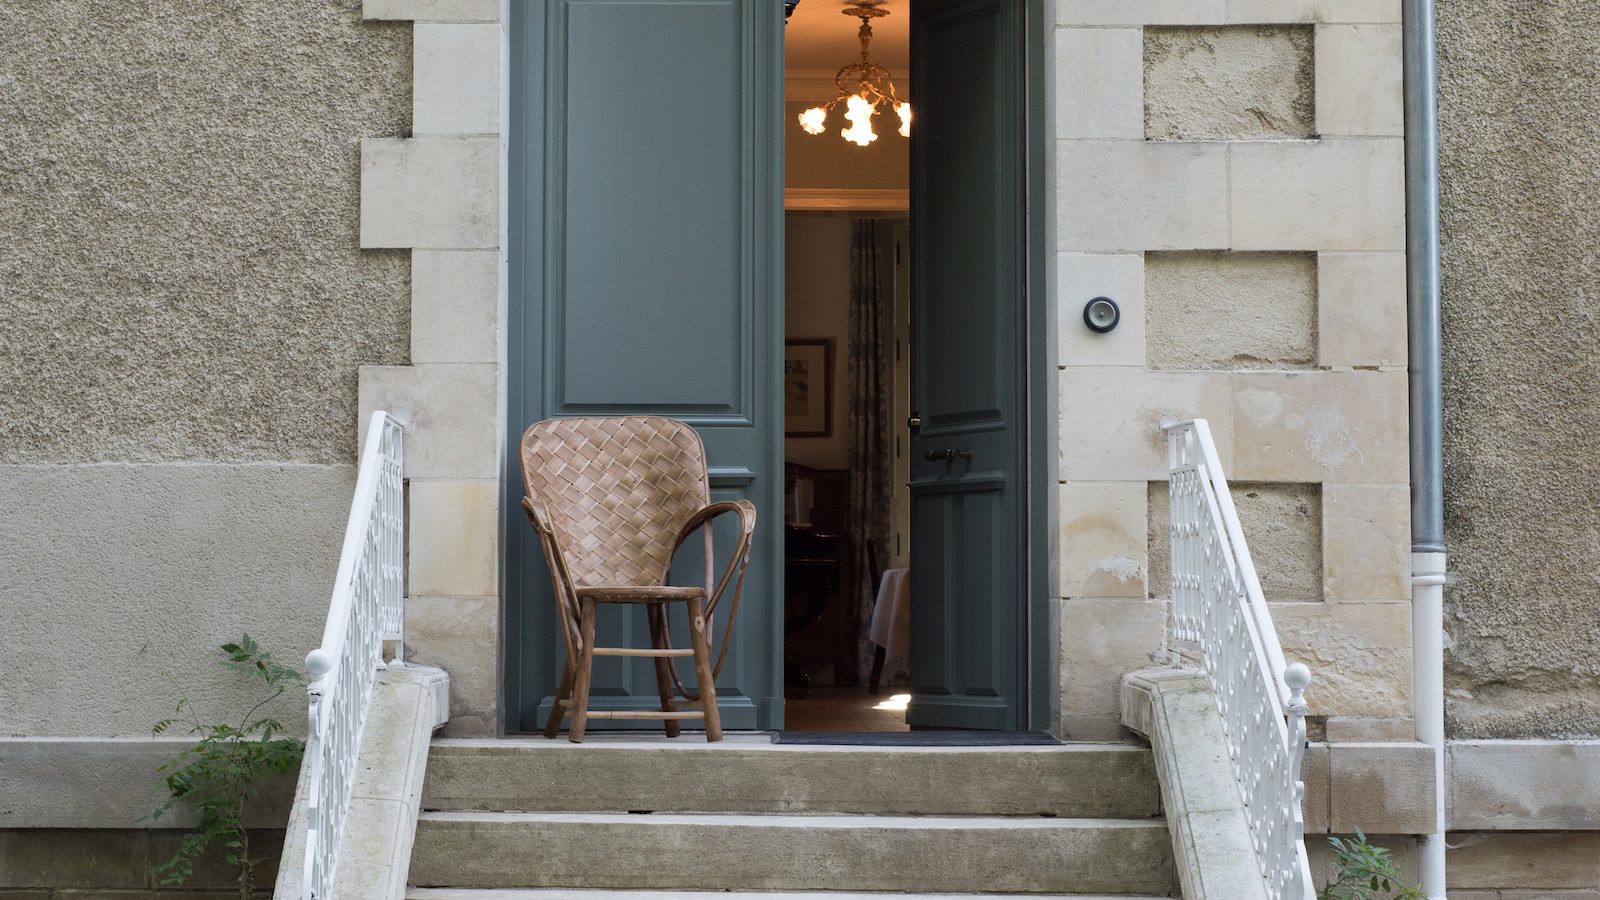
640,593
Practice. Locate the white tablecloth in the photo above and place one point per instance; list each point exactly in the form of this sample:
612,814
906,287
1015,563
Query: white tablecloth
891,619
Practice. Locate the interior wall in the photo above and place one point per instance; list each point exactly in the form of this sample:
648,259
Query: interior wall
817,305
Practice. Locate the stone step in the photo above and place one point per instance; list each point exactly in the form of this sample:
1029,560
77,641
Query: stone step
756,776
596,894
904,854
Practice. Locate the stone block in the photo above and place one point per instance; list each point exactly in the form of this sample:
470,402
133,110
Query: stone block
1528,784
1402,850
462,636
1381,788
1098,83
431,193
1366,542
1141,12
1111,420
1081,277
1102,640
1526,861
1349,730
48,858
1314,774
63,783
1320,427
1231,310
1360,81
432,10
455,79
1282,525
1360,656
1361,309
1122,196
1271,11
1317,195
1103,539
1236,83
455,306
450,412
454,538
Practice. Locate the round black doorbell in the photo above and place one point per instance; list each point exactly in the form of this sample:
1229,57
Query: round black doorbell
1101,314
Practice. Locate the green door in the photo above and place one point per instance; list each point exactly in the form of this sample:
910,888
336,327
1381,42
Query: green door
646,227
969,364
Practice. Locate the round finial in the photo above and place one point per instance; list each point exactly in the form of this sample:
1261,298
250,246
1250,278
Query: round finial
318,663
1297,677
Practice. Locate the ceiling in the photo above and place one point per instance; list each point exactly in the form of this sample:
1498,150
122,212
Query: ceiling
820,37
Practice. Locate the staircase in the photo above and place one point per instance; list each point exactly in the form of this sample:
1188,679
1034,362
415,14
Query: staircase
530,819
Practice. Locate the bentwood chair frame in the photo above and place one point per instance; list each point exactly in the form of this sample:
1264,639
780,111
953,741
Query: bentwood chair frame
612,498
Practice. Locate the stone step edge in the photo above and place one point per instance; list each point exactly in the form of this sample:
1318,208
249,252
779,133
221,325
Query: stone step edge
525,743
608,894
790,820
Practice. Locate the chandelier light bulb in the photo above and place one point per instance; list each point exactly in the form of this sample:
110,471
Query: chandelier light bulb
813,120
858,112
863,86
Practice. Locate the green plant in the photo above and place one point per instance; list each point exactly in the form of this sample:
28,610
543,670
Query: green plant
1364,872
223,772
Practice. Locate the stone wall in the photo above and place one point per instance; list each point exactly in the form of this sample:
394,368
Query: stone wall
1231,173
1519,84
184,310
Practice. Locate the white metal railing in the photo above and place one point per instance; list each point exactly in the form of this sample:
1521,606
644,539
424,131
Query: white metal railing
367,608
1218,609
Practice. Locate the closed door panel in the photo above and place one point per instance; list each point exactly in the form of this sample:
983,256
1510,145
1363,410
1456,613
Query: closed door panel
645,225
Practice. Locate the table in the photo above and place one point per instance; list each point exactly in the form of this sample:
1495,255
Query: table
891,623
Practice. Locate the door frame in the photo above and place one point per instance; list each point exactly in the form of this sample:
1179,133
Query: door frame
1041,641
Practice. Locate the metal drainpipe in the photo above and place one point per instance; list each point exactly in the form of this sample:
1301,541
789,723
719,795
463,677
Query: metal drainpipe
1427,455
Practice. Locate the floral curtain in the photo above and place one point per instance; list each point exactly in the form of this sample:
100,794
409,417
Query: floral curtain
869,431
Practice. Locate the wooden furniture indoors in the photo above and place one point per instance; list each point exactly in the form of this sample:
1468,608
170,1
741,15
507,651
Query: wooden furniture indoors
816,566
612,499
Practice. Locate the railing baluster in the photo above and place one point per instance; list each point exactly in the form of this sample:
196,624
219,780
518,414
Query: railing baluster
1219,610
366,608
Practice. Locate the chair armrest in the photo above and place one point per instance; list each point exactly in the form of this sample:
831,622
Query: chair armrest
745,509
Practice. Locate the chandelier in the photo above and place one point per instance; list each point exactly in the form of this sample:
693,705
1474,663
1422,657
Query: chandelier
863,87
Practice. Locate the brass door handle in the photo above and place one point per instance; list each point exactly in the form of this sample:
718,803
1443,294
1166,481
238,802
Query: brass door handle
949,454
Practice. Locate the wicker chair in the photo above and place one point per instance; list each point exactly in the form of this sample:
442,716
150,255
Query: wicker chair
612,499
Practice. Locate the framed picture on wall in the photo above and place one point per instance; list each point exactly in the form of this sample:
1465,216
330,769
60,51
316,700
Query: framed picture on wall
808,387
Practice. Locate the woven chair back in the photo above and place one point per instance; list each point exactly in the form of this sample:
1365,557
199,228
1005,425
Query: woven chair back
617,491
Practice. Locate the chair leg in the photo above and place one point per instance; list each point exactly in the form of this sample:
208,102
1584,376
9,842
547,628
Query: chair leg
584,670
702,669
657,613
552,725
878,655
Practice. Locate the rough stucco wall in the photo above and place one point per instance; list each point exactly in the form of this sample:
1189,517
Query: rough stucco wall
1230,310
183,310
1218,84
1520,160
179,277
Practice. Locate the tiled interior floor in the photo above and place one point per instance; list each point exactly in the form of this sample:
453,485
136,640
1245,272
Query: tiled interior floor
846,709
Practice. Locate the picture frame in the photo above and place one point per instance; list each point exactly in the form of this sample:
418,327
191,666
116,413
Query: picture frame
808,387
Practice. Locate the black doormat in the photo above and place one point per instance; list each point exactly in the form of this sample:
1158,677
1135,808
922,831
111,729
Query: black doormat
931,738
